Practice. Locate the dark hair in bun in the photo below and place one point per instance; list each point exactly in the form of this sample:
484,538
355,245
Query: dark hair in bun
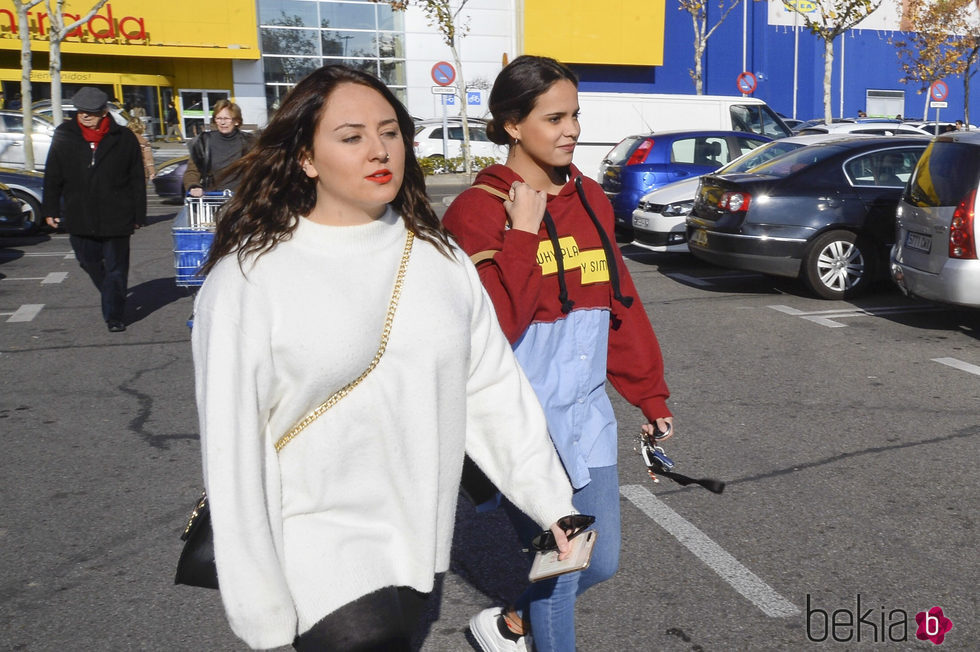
517,88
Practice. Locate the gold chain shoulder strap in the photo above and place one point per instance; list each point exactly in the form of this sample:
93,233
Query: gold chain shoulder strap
349,387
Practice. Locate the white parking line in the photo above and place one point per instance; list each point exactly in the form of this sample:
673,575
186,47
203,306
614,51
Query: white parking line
52,277
727,567
827,317
959,364
35,254
26,312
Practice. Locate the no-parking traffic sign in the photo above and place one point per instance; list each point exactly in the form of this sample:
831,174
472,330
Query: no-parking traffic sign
746,83
938,91
443,73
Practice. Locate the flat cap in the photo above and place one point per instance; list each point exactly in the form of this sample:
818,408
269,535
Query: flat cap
90,100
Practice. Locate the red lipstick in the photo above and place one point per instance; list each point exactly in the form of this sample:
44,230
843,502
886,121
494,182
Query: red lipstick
380,176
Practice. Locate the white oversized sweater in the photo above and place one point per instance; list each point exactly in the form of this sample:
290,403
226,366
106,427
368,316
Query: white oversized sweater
365,497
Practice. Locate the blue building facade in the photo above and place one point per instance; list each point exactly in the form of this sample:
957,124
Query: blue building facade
868,58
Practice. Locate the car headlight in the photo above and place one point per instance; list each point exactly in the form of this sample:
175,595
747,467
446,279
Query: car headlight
679,209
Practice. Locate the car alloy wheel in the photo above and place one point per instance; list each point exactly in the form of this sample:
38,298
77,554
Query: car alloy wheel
838,265
32,204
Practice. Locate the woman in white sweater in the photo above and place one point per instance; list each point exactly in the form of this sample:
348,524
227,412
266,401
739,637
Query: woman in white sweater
334,541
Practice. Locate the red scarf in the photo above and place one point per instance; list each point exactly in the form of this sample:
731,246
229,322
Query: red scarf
95,135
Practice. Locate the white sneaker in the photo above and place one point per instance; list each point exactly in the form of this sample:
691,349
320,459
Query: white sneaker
492,634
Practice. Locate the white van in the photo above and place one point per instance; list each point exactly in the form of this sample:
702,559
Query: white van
607,118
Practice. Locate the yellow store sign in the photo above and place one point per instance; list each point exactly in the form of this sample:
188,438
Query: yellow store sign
615,32
217,29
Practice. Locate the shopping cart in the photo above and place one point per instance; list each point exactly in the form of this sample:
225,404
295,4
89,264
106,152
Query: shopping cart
193,232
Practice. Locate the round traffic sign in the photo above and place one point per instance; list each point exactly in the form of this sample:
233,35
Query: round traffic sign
938,91
746,83
443,73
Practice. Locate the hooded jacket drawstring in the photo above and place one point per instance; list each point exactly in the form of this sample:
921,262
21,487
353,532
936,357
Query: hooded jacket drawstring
549,225
606,247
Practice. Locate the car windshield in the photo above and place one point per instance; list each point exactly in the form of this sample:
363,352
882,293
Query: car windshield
796,160
759,156
759,119
946,173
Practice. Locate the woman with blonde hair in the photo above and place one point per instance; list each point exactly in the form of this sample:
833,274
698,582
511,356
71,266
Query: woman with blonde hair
213,153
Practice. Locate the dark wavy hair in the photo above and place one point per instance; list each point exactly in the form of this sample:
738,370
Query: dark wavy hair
518,87
274,190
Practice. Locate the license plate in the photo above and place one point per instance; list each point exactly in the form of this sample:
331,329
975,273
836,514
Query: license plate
700,238
918,241
641,222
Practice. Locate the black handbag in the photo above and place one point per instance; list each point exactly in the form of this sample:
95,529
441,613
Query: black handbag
196,564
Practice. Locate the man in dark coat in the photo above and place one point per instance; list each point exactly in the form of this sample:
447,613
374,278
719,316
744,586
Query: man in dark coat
94,189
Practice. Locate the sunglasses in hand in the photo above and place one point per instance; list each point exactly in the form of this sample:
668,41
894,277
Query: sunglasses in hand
572,525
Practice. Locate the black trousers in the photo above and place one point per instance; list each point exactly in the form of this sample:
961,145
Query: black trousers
383,621
106,261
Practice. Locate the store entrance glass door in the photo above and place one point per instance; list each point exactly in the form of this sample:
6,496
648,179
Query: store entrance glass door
143,102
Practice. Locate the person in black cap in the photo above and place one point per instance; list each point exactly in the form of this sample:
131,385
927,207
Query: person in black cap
95,190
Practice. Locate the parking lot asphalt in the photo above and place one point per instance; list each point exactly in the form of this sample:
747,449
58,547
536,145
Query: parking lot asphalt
848,433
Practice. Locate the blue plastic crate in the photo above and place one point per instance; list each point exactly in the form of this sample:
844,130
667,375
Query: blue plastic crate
191,247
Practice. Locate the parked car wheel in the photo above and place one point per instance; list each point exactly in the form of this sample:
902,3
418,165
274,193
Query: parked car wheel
35,208
838,265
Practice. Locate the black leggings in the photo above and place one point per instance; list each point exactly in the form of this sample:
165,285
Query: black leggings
383,621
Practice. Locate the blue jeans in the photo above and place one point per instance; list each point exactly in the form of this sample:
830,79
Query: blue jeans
551,603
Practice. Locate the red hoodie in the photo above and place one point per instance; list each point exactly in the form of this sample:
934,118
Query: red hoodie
520,273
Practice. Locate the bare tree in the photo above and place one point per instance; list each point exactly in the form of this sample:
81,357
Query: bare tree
23,6
56,34
828,20
699,18
444,15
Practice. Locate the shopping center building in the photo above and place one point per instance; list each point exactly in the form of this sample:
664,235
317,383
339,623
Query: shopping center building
194,53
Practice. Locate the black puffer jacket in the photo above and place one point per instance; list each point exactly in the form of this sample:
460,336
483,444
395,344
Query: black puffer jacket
105,194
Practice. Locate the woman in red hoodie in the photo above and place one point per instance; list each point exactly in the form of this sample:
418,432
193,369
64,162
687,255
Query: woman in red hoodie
540,235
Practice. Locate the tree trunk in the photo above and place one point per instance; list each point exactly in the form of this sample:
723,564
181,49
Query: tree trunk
972,59
461,91
698,80
55,35
966,99
25,81
697,73
828,69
